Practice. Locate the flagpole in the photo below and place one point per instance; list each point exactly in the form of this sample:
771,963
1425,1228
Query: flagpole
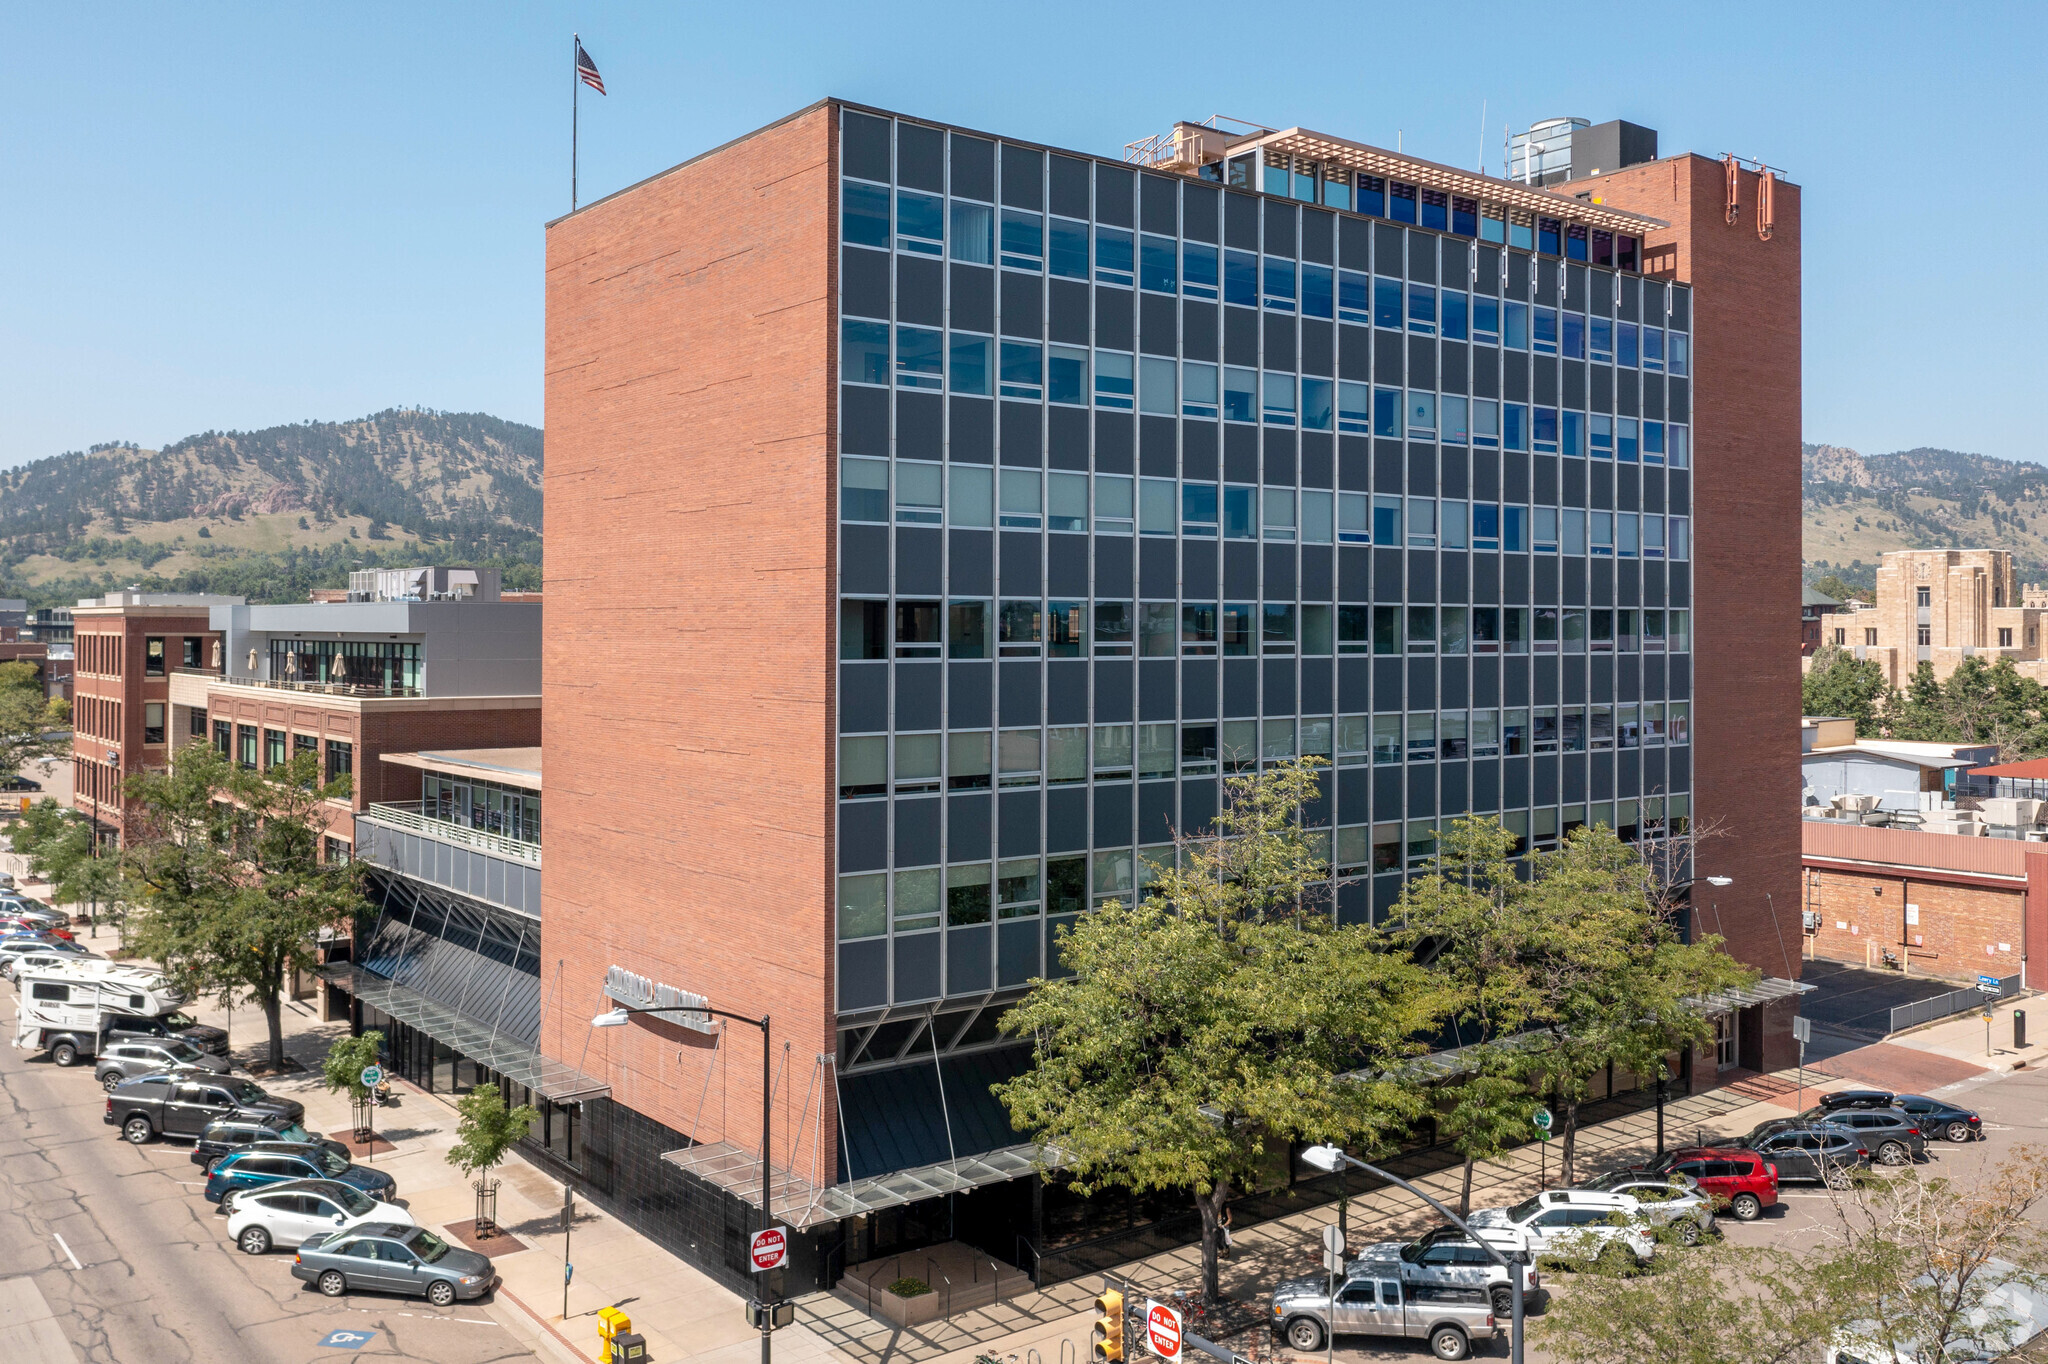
575,82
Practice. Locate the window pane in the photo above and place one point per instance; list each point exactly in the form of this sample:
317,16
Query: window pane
864,352
970,364
863,490
967,760
1155,385
973,495
973,233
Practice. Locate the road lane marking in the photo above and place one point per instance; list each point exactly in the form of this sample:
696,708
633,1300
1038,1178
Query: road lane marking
67,1252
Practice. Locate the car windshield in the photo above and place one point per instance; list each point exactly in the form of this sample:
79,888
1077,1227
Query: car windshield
180,1021
248,1093
183,1051
428,1246
353,1201
336,1165
1525,1209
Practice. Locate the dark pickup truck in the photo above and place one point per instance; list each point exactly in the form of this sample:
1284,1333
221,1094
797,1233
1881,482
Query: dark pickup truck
184,1105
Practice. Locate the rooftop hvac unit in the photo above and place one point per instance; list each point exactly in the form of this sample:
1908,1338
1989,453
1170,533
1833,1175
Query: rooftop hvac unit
1856,804
2013,810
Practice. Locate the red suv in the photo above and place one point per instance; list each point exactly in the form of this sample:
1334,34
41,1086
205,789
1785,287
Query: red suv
1743,1182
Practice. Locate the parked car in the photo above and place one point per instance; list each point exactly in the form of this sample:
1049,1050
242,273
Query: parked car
137,1057
26,921
1447,1258
230,1199
287,1214
38,914
1855,1098
39,958
1893,1138
19,945
1673,1200
1938,1116
1815,1153
1568,1224
187,1102
1373,1301
1736,1179
254,1169
253,1129
182,1026
395,1259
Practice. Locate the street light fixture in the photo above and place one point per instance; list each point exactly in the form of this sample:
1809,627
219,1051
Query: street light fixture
1330,1159
621,1015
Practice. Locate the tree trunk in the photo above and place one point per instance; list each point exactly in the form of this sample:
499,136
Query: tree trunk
1210,1206
273,1015
1465,1193
1571,1143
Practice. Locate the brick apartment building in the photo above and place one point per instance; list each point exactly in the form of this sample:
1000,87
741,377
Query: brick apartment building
128,646
1940,606
989,502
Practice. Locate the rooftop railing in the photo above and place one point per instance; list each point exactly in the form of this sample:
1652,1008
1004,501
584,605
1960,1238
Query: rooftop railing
326,688
407,815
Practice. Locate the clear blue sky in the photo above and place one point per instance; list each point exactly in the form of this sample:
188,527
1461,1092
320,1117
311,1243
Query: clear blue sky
237,215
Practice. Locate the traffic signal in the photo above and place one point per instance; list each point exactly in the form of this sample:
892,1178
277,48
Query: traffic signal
1109,1325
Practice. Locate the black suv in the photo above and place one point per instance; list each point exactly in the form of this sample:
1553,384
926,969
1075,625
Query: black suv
254,1130
201,1035
1891,1136
1810,1152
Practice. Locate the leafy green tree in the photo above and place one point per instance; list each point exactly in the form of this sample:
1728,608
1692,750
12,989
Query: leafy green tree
1610,980
59,848
1717,1304
31,728
347,1058
1841,589
227,868
1975,704
1841,684
1211,1022
486,1131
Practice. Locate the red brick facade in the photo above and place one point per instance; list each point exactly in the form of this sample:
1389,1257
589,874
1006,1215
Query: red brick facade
1955,930
112,690
1746,560
689,717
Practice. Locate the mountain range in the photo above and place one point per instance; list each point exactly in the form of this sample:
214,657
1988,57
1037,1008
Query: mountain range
286,503
1857,506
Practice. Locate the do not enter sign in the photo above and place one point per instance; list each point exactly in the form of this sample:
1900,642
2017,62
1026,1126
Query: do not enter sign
1162,1330
769,1249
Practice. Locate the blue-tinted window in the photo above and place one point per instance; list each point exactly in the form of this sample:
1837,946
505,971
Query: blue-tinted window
1198,508
1454,315
1386,520
1240,395
1317,291
1522,234
1386,303
1486,525
1602,338
1114,386
1515,426
1681,353
1354,408
1198,270
864,214
1653,348
1241,278
1653,442
920,222
1386,412
1572,433
1546,331
1279,282
1485,318
920,357
1304,186
1422,309
1069,249
1113,255
1275,179
1401,203
1601,435
1435,210
1575,242
1372,195
1465,217
1239,513
1279,404
1546,429
973,227
1514,529
1066,375
1315,404
1625,344
1354,296
970,364
1548,231
1516,335
864,351
1626,450
1493,229
1156,264
1023,372
1574,336
863,490
1023,239
1337,193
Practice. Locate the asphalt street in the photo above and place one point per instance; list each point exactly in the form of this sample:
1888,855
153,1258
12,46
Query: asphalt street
112,1245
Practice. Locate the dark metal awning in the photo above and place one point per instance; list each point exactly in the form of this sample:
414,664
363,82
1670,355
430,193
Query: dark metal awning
801,1204
515,1058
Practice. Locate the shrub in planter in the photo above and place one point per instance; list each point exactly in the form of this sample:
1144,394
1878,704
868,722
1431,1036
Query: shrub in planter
910,1288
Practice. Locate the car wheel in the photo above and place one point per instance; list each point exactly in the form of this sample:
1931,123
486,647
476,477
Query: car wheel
441,1293
1504,1303
1746,1207
1688,1232
64,1054
1893,1153
111,1081
1839,1178
254,1241
1448,1342
137,1129
1305,1333
333,1284
1958,1131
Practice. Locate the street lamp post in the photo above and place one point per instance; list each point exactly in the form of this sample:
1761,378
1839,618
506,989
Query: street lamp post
1331,1159
619,1016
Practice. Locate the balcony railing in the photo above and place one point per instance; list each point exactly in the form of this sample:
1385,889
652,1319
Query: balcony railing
406,815
325,688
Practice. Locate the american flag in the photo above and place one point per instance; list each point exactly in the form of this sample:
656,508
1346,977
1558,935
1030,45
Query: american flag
586,70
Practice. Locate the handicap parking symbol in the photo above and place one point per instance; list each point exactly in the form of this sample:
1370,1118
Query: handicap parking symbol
347,1340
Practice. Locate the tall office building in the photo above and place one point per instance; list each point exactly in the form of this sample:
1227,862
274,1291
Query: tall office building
946,516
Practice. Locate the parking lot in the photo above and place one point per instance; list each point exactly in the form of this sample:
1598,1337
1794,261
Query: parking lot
109,1249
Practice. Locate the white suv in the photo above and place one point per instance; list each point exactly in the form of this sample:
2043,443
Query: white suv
286,1214
1568,1224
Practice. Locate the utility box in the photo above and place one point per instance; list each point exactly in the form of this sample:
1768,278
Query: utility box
627,1348
612,1326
